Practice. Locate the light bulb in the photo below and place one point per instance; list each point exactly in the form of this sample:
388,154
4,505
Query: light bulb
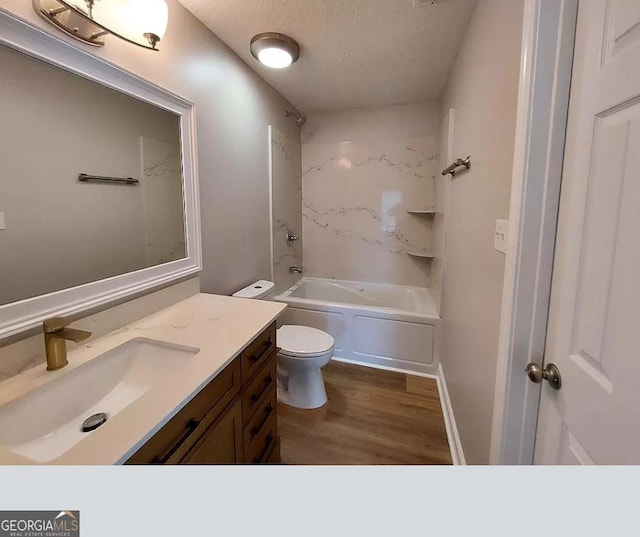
134,20
275,57
155,16
274,50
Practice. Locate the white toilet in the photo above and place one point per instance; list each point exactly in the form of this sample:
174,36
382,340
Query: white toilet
303,352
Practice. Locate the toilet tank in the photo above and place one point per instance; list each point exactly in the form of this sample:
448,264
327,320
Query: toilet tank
259,289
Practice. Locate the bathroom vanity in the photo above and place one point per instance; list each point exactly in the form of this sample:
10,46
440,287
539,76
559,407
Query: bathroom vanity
193,383
232,420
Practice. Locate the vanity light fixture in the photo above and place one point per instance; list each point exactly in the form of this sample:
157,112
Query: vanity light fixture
140,22
274,50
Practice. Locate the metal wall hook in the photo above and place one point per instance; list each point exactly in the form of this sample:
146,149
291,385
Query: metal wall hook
451,169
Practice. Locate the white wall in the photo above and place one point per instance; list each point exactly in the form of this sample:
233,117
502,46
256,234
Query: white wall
60,232
372,123
234,108
162,201
362,170
286,196
441,196
482,88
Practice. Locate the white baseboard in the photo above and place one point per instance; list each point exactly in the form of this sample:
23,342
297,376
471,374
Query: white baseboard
455,446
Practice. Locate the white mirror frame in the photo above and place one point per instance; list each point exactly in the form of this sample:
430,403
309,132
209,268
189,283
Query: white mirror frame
26,314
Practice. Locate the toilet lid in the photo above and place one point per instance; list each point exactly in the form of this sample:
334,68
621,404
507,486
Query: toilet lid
297,340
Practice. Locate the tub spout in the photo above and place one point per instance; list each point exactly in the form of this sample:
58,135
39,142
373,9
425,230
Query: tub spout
295,270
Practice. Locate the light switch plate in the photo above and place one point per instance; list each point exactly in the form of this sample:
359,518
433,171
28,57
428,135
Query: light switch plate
500,236
2,225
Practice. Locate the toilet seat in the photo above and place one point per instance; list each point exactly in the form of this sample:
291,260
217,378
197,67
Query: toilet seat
303,341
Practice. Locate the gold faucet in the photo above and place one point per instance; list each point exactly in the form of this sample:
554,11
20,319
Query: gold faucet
56,335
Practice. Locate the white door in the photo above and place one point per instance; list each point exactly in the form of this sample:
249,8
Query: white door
594,321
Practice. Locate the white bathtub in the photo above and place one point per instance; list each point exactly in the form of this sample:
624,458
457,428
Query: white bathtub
386,325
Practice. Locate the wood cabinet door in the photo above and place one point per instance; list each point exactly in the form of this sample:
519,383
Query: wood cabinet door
222,442
175,439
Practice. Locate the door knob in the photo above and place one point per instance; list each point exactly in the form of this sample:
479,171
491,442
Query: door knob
550,373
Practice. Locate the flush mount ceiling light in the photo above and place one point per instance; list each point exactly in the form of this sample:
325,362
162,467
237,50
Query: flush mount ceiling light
274,50
141,22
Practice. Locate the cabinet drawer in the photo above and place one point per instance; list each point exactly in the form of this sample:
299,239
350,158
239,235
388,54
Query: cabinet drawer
256,450
173,441
255,392
257,353
273,453
254,430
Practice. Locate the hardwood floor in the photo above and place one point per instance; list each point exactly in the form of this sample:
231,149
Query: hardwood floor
372,417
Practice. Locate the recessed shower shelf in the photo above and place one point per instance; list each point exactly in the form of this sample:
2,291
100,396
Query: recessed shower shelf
423,254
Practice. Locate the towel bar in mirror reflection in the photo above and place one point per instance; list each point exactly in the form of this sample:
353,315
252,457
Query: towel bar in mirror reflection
86,178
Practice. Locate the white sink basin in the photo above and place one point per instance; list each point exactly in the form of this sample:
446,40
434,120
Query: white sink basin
47,421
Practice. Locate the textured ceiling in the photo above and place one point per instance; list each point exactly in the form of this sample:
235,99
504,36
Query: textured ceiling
352,52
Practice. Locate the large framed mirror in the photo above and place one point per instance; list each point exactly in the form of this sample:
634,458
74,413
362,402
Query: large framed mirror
98,185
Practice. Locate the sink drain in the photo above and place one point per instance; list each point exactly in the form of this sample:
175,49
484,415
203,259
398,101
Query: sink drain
93,422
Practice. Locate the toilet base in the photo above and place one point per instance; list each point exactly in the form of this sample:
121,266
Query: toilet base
302,389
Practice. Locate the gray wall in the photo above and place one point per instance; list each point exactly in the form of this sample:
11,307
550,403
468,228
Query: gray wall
233,107
482,88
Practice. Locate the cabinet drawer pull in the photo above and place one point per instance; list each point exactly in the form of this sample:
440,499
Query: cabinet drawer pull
263,349
262,455
267,414
191,426
256,396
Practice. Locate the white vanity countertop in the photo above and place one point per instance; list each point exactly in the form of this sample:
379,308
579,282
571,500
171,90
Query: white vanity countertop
220,326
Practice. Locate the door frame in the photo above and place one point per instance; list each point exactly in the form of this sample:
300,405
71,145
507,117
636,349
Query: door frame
543,101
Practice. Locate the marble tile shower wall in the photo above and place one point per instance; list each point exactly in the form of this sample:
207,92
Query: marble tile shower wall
162,201
355,201
287,199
